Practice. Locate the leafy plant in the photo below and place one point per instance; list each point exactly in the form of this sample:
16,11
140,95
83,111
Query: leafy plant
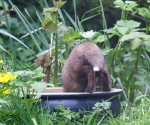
125,7
129,57
50,23
17,95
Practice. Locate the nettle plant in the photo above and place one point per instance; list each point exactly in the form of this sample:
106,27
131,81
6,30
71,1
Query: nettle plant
130,60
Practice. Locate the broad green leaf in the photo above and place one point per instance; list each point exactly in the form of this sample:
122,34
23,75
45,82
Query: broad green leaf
123,30
50,84
144,12
136,43
118,68
116,51
39,86
113,31
147,46
130,57
67,38
142,71
17,83
132,35
144,36
76,35
59,3
70,36
139,76
137,30
49,25
127,5
2,101
39,75
130,2
102,38
119,3
130,5
131,24
51,15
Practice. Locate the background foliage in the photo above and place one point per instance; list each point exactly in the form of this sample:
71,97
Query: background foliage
25,24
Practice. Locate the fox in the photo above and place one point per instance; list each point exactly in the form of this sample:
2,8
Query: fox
85,69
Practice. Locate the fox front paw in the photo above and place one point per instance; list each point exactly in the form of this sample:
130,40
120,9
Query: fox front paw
89,89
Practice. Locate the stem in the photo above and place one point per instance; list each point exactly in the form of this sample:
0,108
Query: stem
126,15
131,78
112,60
67,50
56,55
147,27
123,15
47,73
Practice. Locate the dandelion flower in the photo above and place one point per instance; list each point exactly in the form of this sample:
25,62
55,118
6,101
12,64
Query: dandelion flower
6,77
7,92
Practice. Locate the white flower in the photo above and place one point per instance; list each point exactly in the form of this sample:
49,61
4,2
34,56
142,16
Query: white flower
88,34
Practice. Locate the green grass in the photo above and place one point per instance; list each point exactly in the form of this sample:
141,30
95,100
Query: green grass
136,113
18,113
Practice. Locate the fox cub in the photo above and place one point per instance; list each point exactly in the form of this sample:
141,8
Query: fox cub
85,69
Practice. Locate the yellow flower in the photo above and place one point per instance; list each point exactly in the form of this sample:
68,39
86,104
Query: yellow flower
1,61
7,92
6,77
15,76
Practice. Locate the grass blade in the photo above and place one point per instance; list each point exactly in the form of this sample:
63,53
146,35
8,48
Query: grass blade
105,24
4,50
13,37
62,17
118,79
40,35
21,16
31,32
89,12
75,11
7,22
90,17
80,25
72,21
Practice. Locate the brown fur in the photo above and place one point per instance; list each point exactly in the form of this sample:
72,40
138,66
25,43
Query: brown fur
78,74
